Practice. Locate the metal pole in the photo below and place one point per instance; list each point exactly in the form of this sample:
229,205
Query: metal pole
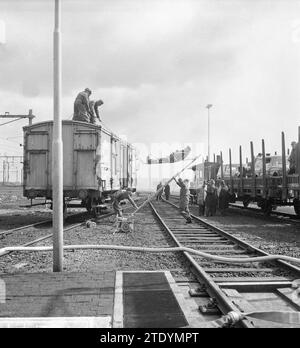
208,106
222,168
230,169
149,174
253,171
208,135
264,168
57,150
284,170
30,117
3,172
298,154
241,191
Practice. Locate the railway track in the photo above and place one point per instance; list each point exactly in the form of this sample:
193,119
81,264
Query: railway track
9,237
43,234
226,287
274,214
12,230
292,217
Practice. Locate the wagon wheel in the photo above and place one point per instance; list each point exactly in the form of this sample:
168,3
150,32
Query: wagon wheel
232,198
297,206
125,227
96,212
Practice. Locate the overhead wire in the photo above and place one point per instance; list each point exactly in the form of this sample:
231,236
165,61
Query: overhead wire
17,119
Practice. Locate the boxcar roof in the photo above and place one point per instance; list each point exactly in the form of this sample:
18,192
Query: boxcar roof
87,125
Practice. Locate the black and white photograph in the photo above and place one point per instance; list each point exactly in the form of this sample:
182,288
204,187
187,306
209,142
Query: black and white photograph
149,167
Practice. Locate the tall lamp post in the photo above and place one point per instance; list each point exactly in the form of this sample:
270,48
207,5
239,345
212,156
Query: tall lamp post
57,148
208,106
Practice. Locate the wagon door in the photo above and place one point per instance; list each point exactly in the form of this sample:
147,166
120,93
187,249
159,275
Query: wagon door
85,145
115,164
105,161
125,173
134,168
36,166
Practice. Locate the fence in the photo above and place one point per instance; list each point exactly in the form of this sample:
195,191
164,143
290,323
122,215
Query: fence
11,170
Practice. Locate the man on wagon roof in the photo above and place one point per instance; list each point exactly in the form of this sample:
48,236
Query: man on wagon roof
82,106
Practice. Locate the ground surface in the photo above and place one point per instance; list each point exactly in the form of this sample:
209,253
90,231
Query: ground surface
146,233
13,212
272,235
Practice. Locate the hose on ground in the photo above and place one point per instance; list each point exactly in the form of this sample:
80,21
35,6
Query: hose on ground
291,319
156,250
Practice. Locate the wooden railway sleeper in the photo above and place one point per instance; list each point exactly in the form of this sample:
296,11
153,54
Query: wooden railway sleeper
200,291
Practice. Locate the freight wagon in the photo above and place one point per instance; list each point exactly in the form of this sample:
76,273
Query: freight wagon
96,162
267,190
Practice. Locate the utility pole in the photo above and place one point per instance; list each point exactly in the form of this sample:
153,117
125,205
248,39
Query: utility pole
208,106
57,148
7,115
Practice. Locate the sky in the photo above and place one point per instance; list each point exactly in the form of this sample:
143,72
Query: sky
156,65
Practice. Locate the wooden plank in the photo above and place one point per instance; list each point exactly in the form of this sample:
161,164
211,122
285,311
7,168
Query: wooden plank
240,256
238,300
249,279
238,269
290,295
255,286
219,242
232,293
220,251
195,235
205,238
219,246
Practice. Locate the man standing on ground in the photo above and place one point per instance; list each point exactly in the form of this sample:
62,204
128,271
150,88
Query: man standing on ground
292,159
201,199
159,191
224,197
184,198
167,191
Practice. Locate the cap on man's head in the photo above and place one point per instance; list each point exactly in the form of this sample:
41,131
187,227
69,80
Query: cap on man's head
100,102
293,143
88,90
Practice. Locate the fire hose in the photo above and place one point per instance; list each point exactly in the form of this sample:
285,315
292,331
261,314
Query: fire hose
276,317
156,250
228,320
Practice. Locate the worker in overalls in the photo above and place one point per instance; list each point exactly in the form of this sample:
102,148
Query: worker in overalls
184,199
159,191
292,159
117,198
94,112
120,196
167,191
82,106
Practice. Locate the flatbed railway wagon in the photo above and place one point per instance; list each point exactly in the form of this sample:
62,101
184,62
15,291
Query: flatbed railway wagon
268,191
96,163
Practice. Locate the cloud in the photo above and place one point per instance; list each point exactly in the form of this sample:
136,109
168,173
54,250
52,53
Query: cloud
156,64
